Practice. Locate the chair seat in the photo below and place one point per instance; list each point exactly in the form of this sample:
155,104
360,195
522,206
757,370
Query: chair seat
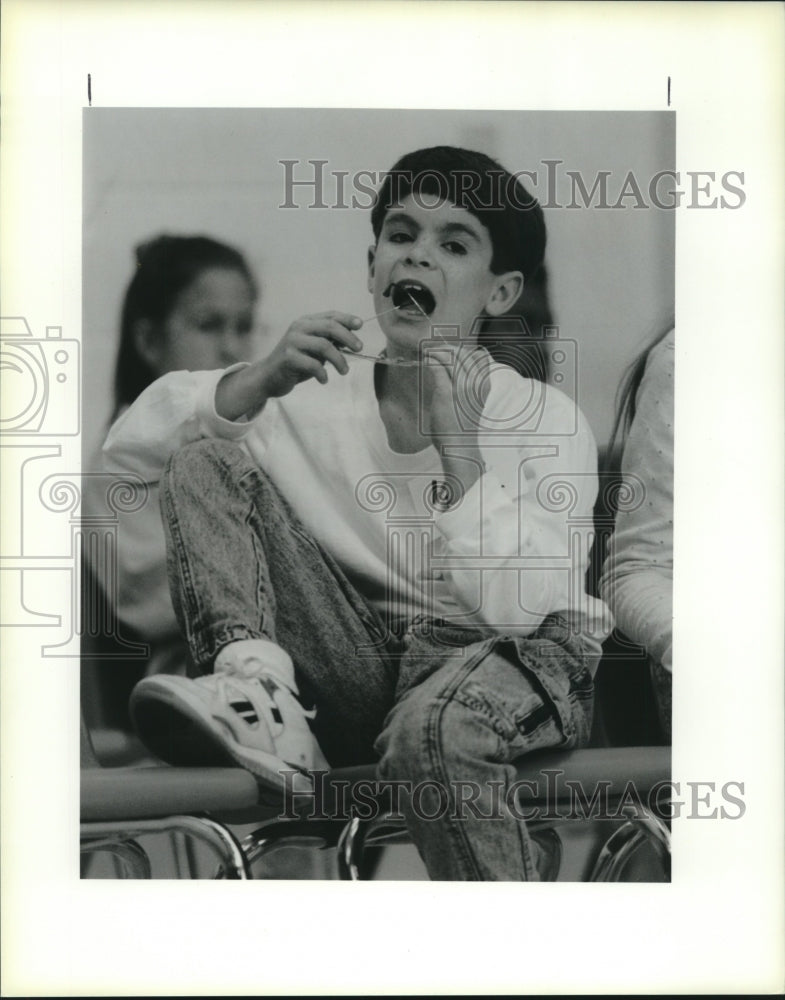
561,789
129,793
612,767
118,748
144,792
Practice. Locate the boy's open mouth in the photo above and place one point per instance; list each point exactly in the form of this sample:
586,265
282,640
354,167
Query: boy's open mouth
411,295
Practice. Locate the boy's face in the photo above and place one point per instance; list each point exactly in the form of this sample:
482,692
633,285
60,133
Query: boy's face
446,252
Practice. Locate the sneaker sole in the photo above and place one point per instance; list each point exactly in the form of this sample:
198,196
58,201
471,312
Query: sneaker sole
180,734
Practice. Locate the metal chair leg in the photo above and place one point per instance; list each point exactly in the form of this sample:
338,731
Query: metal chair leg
183,855
316,834
644,828
215,834
621,845
358,835
133,859
549,845
350,850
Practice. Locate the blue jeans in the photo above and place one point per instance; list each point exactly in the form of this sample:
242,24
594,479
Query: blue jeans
444,709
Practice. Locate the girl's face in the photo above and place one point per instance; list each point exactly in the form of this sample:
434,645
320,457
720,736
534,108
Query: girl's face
211,325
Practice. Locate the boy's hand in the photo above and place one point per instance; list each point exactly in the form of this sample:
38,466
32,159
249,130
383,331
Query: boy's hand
454,398
302,353
456,388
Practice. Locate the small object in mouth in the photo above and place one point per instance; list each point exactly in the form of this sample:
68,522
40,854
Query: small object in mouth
407,293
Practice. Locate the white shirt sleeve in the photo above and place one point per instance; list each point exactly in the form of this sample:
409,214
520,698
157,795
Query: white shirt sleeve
637,580
177,409
516,547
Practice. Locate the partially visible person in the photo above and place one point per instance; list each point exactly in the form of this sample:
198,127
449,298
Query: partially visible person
637,578
189,307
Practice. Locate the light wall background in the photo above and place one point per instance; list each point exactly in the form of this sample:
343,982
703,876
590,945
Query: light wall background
217,172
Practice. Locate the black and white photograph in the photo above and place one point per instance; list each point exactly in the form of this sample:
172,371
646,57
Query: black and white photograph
424,475
387,428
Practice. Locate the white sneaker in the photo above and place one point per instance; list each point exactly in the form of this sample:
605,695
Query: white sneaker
243,714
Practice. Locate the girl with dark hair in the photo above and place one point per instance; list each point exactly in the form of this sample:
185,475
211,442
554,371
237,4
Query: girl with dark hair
189,307
637,579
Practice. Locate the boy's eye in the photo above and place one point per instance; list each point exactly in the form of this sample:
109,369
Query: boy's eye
454,247
399,237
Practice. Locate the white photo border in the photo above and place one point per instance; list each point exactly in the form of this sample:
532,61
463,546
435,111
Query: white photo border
718,926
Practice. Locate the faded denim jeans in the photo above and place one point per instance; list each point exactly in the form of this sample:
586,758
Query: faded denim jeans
453,707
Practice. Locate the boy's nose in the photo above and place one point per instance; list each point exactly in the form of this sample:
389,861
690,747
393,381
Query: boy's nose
419,254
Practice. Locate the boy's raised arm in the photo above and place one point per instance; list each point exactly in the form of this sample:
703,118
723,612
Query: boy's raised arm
302,352
182,407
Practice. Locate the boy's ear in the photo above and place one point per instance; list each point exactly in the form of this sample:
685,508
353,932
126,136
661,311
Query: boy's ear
371,260
148,343
507,289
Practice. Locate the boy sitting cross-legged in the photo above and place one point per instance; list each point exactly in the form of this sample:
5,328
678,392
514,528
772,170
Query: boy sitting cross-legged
386,547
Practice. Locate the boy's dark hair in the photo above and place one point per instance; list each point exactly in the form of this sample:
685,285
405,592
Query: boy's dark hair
165,267
516,225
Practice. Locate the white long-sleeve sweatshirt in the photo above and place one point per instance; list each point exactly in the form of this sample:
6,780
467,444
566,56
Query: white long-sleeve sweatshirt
637,580
138,586
512,550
